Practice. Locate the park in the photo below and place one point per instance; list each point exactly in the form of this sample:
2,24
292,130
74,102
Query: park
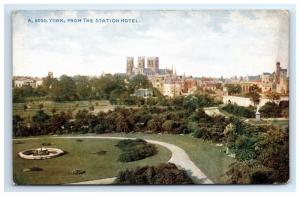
117,138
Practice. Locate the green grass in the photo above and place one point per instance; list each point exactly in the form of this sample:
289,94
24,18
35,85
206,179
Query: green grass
80,155
74,106
227,114
280,123
210,158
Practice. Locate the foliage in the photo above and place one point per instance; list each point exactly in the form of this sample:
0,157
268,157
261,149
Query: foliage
20,93
254,94
41,117
139,81
274,154
254,89
166,173
233,88
248,172
273,96
168,125
64,89
267,146
134,150
273,110
240,111
254,97
191,103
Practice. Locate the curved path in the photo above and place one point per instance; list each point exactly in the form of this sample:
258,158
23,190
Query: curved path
179,157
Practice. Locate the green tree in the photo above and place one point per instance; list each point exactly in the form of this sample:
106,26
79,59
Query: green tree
274,153
17,125
273,96
191,103
68,88
254,95
18,95
55,91
233,88
40,117
139,81
48,83
270,110
254,89
83,87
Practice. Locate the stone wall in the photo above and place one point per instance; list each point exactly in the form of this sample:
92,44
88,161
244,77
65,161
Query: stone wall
242,101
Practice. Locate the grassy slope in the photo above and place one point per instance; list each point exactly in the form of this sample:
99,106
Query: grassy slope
281,123
210,158
18,108
58,170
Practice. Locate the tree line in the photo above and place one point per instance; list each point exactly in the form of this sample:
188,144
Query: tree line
116,89
174,118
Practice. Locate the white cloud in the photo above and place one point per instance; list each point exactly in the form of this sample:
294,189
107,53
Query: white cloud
199,43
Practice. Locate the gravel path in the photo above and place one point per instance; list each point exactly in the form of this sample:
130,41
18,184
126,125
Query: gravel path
179,157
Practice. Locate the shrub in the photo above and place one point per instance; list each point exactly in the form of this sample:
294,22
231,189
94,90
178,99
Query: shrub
261,177
78,172
200,115
35,169
127,144
154,125
91,108
246,112
270,110
168,125
248,172
101,128
40,117
135,150
273,110
166,173
284,104
233,88
201,132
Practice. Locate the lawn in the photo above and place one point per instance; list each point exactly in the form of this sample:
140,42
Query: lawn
280,123
209,157
80,155
48,106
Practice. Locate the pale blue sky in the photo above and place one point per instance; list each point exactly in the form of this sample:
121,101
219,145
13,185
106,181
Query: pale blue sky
199,43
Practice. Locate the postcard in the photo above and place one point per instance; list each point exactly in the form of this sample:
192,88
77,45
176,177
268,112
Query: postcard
150,97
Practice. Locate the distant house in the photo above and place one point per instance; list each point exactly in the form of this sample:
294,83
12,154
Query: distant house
173,87
189,85
20,81
208,84
145,93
